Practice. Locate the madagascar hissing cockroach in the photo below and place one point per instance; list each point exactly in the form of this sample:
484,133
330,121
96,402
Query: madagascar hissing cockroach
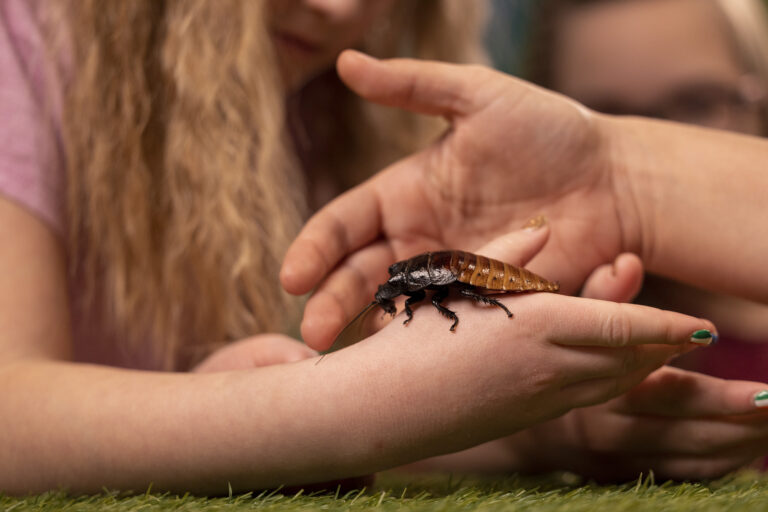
440,271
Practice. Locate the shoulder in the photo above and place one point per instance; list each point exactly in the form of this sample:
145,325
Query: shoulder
31,156
20,26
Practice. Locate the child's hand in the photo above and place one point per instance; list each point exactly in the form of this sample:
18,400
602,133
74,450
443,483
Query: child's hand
679,424
260,350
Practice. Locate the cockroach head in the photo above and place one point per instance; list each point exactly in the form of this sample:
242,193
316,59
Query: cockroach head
386,292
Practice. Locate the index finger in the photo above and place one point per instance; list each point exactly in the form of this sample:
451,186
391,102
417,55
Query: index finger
591,322
346,224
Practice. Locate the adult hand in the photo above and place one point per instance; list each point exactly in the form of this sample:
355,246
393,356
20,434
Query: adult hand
513,150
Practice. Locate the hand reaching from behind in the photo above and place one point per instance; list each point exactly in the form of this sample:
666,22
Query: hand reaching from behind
679,424
513,151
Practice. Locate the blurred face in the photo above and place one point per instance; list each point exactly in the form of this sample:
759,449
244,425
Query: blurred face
309,34
670,59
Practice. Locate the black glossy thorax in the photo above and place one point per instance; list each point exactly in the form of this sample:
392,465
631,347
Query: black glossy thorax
420,272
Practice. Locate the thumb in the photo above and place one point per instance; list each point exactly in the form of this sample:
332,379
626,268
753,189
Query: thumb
519,247
617,282
424,87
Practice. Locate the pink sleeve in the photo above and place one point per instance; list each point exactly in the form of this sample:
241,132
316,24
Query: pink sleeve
31,161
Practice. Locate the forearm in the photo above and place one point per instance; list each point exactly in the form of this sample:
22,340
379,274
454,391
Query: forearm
698,200
85,428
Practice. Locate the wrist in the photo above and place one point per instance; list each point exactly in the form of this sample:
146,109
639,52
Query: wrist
626,165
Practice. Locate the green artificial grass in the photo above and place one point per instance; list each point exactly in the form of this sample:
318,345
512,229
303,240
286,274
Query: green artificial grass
392,491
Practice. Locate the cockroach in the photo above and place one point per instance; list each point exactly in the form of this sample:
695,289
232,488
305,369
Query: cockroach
471,274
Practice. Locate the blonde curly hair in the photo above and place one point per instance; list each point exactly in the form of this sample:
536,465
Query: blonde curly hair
183,187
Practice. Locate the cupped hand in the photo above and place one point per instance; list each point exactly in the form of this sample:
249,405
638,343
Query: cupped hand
513,151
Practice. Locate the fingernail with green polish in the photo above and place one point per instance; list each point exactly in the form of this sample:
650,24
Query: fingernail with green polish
703,337
761,399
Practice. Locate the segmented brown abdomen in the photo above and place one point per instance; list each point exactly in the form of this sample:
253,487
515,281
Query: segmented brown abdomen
492,274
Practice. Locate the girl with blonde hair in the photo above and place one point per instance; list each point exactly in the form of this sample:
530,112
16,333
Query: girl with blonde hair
155,159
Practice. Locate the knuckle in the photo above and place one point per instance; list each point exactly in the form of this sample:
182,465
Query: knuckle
618,329
545,379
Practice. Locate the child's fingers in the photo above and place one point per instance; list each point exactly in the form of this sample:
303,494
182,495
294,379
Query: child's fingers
681,437
680,393
343,294
326,239
600,323
598,390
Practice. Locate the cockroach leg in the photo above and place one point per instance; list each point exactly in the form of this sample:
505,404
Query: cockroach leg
437,298
413,298
484,299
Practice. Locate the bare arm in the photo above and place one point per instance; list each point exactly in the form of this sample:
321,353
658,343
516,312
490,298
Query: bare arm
85,427
34,316
398,396
693,202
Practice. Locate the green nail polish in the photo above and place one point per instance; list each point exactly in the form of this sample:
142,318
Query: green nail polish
703,337
761,399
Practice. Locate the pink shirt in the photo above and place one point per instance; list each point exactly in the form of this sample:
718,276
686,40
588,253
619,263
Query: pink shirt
32,163
31,156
